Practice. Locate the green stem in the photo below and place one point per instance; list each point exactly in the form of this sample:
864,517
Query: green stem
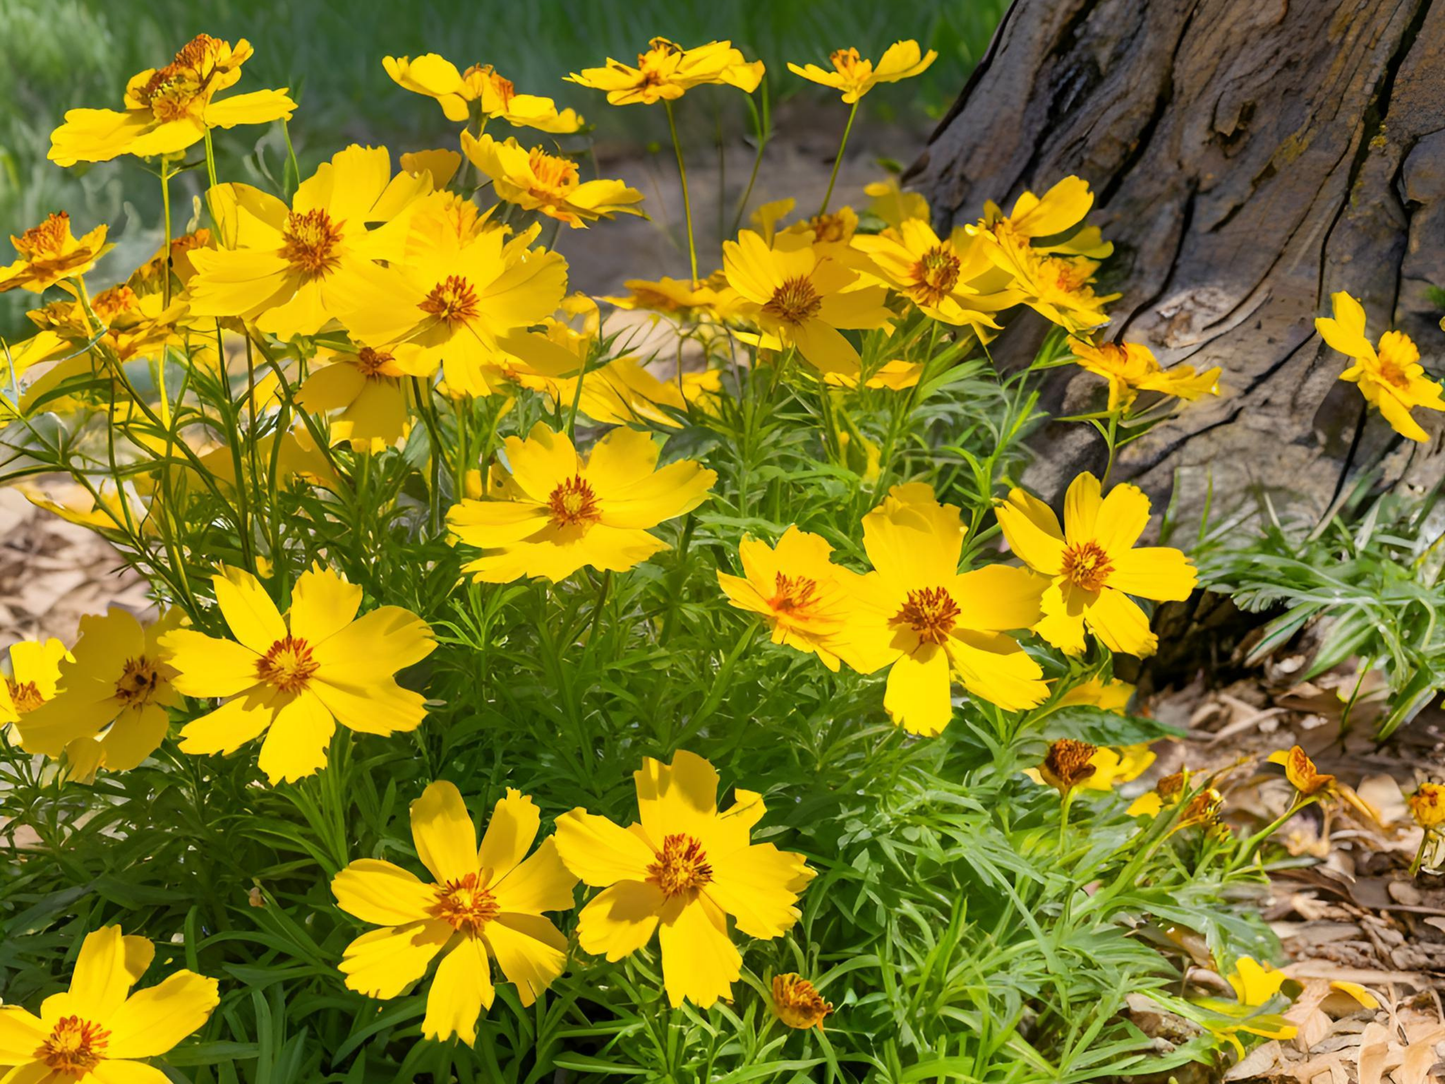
686,200
828,195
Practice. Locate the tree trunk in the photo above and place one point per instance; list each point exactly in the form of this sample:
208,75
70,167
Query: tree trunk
1249,157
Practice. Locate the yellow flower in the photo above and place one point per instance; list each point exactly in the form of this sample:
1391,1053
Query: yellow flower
893,205
1427,804
1131,368
1069,763
558,513
1301,772
945,281
455,91
33,672
484,901
713,298
1058,215
110,711
832,228
369,388
1056,287
1390,377
795,587
294,270
98,1031
855,76
680,871
457,294
49,252
666,71
294,678
1094,566
1255,984
797,1003
796,295
1113,695
916,613
169,109
537,181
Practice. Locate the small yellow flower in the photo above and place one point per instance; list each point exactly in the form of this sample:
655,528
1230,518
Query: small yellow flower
1390,377
1057,287
538,181
49,253
33,671
1254,983
855,76
948,279
1300,770
1427,804
712,299
98,1030
294,678
110,711
371,390
680,871
495,97
1113,695
1131,368
666,71
797,1003
1057,215
893,205
796,589
916,614
558,513
798,295
295,269
484,903
169,109
1094,565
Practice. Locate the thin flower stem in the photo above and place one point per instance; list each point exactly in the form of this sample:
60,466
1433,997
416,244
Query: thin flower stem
838,161
686,199
1113,438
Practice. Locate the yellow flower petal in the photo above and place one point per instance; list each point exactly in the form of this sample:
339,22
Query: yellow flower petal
680,797
699,962
1118,621
297,741
536,884
248,610
101,978
753,885
207,666
446,839
382,893
152,1021
620,920
460,990
1154,572
322,604
598,851
385,962
530,951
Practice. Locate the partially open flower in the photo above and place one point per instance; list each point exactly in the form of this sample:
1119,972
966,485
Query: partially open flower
1068,764
49,252
666,71
855,76
797,1003
1427,806
1300,770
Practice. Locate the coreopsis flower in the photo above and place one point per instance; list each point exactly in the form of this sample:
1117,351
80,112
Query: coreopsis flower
98,1031
456,92
1131,368
1068,764
917,614
796,296
713,298
1309,782
538,181
797,1002
110,710
831,228
1112,695
293,678
169,109
558,512
1427,804
1094,566
1167,794
370,389
1057,287
946,282
680,871
1052,222
795,588
484,903
295,269
666,71
30,678
855,76
1390,376
49,253
459,291
893,205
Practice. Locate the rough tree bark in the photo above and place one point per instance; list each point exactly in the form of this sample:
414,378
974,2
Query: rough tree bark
1250,157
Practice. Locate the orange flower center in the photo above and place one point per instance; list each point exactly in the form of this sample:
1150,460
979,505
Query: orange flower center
930,612
138,682
1394,362
574,504
75,1046
372,362
792,593
24,695
109,304
552,172
681,867
935,274
466,904
1087,566
828,229
453,299
794,301
310,242
1068,763
848,63
287,664
659,61
172,92
1065,276
45,241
